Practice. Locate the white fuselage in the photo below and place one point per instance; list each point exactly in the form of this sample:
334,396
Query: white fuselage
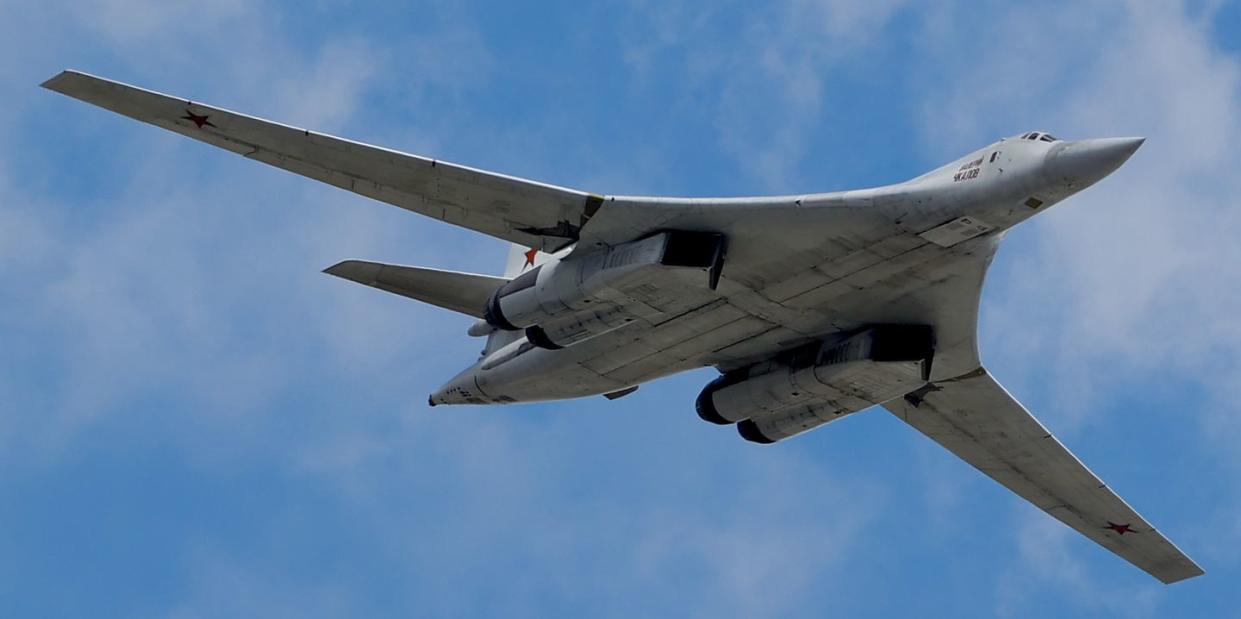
814,265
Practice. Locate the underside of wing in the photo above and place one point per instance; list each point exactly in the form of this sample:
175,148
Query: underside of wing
976,419
466,293
530,213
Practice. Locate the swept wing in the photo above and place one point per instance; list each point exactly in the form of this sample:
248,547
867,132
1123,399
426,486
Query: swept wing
975,418
526,212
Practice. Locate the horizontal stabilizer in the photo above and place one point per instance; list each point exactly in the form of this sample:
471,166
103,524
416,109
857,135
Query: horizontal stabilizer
460,292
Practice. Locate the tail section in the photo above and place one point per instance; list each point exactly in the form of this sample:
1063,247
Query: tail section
466,293
520,259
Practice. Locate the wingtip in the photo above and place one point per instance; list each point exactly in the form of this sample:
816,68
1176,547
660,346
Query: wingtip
1194,572
51,82
67,80
354,270
62,82
338,268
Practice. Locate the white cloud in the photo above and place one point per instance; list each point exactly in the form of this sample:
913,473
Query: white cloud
221,585
1141,261
166,292
766,84
736,531
1047,555
152,286
1127,288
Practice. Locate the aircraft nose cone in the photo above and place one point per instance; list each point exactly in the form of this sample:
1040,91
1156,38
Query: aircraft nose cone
1085,162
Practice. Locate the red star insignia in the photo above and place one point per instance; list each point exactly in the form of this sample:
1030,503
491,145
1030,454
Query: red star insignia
530,257
197,119
1120,529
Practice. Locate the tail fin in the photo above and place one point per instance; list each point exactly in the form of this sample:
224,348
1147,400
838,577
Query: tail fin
520,259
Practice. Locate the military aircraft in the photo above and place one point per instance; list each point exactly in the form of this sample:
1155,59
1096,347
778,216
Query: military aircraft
812,306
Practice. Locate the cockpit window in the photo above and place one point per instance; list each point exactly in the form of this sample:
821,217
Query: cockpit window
1040,136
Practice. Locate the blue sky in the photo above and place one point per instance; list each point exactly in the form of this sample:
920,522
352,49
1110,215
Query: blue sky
194,422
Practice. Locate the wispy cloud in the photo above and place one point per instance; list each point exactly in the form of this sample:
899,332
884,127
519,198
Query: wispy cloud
166,297
744,545
146,295
1046,557
1127,288
1140,259
765,83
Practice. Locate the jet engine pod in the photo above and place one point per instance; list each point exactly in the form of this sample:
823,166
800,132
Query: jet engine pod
751,432
705,403
819,383
771,427
570,300
578,326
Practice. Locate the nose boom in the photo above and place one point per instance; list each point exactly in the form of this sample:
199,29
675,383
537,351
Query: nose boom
1085,162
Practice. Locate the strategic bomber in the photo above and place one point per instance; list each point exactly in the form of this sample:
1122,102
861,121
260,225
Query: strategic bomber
813,307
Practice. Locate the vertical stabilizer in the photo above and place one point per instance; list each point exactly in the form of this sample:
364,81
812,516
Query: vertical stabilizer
522,259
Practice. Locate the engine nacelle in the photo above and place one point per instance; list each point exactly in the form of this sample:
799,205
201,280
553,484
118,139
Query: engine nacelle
579,326
821,383
771,427
566,301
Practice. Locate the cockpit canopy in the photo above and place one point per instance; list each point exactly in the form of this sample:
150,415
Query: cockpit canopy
1040,136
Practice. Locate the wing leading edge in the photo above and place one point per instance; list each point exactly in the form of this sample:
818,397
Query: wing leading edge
974,417
526,212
